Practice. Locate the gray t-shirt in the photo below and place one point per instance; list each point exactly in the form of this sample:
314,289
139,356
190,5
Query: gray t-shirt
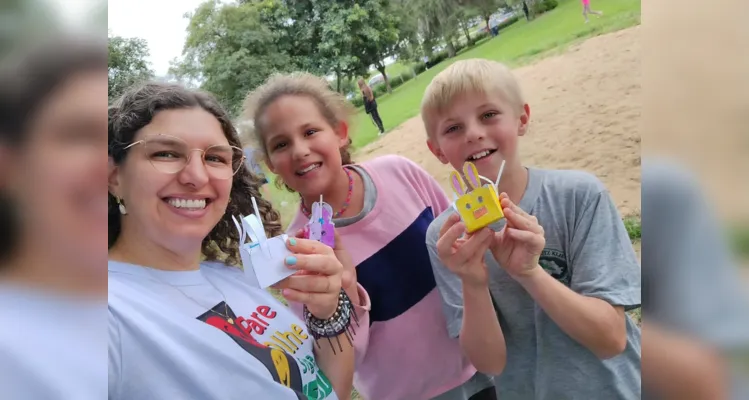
692,285
479,381
587,249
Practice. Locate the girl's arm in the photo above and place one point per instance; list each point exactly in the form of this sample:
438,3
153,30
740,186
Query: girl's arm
359,296
337,363
339,367
362,305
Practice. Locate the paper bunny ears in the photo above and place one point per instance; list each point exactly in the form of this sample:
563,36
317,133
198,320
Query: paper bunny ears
263,257
478,206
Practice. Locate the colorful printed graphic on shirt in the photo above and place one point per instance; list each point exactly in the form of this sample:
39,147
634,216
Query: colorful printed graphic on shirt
282,367
287,353
297,342
555,263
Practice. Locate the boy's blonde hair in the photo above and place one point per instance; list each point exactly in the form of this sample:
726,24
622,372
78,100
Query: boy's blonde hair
331,104
465,77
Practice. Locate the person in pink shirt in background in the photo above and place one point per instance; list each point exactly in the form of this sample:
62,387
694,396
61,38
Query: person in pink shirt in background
587,10
382,209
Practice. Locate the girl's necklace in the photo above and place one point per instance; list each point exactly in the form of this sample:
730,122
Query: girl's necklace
307,212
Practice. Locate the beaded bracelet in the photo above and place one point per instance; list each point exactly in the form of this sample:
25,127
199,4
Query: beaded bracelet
337,324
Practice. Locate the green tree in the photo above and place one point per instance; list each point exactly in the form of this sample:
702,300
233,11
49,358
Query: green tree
229,51
486,8
376,35
343,37
408,47
127,63
440,20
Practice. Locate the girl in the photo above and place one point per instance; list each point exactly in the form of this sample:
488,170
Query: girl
370,104
180,328
382,210
52,221
587,10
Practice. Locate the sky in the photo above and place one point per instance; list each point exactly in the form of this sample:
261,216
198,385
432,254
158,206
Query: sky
159,22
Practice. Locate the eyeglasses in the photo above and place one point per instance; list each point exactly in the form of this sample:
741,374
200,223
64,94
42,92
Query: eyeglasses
170,155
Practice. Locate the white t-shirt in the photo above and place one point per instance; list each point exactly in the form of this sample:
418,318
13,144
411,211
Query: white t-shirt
51,346
205,334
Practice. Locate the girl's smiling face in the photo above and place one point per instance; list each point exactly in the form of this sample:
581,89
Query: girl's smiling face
303,148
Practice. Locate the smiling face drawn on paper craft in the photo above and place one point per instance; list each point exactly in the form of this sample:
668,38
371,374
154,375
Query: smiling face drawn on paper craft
478,207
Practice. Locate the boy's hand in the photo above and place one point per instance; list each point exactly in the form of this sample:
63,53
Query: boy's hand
517,247
464,256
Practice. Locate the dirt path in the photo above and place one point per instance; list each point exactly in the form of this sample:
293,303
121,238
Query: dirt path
585,114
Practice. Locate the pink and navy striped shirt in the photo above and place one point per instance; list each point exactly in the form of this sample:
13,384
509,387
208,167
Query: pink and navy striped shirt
403,347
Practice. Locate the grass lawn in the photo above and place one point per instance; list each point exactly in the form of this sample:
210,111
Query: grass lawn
519,44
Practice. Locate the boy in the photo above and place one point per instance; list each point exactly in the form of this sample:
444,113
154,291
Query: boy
541,295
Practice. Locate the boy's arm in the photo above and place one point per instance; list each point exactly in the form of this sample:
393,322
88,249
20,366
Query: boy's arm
470,316
592,322
605,281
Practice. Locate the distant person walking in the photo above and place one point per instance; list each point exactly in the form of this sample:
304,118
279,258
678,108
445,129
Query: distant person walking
587,10
370,104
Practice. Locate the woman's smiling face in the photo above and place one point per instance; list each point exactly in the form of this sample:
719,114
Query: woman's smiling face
176,210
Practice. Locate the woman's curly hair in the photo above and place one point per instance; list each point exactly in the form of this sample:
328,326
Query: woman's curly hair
136,109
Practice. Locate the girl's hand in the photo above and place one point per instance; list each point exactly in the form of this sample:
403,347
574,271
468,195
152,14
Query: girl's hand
349,269
464,256
517,247
317,283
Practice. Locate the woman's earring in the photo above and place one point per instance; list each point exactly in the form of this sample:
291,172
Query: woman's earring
123,210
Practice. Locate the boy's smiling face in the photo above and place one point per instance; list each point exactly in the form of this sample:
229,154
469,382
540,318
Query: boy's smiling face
479,128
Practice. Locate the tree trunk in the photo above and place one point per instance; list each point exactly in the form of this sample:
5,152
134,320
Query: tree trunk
486,19
381,68
467,33
338,81
450,48
531,8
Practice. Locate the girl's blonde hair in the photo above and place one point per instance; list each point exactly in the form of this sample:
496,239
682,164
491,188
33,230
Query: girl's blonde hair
331,104
465,77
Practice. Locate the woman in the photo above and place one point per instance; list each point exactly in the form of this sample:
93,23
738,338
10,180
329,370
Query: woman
370,104
52,221
180,328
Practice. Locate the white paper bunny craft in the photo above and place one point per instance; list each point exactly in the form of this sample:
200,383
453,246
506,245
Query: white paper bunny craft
262,258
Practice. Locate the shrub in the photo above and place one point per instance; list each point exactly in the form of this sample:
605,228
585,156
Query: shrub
509,21
437,58
544,6
480,35
420,67
379,90
357,101
401,79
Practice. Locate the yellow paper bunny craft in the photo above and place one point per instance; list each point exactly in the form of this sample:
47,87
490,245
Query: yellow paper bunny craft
478,207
